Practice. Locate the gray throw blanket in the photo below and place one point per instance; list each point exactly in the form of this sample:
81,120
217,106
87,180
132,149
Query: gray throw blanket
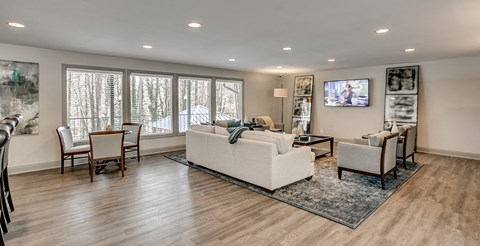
236,133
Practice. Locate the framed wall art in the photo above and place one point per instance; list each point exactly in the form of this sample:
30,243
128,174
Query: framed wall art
401,108
302,104
402,80
401,96
303,85
19,94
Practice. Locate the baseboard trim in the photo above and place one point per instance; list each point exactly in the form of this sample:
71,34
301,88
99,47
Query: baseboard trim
452,153
434,151
12,170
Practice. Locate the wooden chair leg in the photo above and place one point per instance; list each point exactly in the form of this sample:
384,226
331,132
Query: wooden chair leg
90,170
63,163
413,157
404,162
340,173
138,154
383,182
72,160
122,163
2,240
3,222
5,209
6,186
395,172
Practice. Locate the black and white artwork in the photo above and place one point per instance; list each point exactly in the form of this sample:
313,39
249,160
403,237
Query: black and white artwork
401,108
19,93
302,124
302,106
402,80
303,85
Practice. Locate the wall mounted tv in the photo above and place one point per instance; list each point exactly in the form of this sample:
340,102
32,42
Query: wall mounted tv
346,93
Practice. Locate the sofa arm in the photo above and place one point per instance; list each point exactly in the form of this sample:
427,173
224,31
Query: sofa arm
292,166
359,157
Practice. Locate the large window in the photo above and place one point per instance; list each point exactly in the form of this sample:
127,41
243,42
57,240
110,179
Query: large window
228,99
165,104
94,100
193,102
151,102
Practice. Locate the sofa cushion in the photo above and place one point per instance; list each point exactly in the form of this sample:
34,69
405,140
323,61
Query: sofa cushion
283,142
203,128
377,139
221,131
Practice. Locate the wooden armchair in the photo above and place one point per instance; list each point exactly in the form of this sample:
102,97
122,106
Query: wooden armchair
374,159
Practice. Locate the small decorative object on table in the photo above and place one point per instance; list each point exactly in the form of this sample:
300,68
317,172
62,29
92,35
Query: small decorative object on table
303,137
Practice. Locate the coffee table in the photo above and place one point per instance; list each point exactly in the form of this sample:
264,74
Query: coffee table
314,139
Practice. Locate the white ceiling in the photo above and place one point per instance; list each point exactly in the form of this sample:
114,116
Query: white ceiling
251,31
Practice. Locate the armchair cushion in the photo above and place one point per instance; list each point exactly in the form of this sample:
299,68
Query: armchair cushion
377,139
268,122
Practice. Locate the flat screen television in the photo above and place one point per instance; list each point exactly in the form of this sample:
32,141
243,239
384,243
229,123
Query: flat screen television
346,93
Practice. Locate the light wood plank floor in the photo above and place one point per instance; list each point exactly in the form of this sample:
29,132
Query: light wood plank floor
161,202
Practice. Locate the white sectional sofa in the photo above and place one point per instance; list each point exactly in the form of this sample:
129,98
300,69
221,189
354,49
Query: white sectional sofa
265,159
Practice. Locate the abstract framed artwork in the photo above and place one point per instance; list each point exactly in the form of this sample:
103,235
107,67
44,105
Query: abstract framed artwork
302,106
402,80
303,85
302,124
401,108
19,93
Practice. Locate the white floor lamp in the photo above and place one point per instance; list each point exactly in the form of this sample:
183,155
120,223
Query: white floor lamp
280,92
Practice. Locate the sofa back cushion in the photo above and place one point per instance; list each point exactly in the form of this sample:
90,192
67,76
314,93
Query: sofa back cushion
403,129
377,139
283,142
221,131
203,128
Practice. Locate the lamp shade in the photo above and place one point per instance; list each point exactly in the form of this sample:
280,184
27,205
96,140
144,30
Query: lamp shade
280,92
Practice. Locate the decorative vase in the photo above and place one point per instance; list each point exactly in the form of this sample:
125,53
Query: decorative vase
296,132
394,127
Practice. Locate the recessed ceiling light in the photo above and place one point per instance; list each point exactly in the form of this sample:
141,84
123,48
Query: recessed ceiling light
287,48
331,60
279,67
410,50
231,59
194,24
15,24
380,31
147,46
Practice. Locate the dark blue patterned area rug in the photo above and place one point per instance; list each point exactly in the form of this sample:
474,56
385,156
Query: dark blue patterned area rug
348,201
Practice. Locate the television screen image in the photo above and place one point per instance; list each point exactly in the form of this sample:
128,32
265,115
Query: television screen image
346,93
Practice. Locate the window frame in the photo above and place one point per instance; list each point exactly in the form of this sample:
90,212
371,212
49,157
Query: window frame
92,68
127,94
125,86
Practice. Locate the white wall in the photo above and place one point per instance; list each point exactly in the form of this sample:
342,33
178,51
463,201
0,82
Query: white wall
31,152
448,111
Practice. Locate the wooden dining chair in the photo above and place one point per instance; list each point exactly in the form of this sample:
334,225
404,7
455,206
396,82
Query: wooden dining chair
132,141
4,140
10,128
106,146
68,149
